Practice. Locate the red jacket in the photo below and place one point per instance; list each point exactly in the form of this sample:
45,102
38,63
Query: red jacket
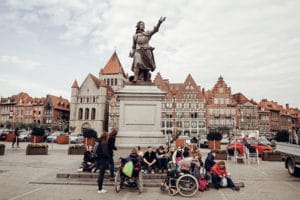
216,169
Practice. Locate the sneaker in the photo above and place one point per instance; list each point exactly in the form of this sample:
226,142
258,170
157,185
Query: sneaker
80,170
236,188
102,191
152,172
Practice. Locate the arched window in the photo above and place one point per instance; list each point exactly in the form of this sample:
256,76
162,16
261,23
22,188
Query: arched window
93,114
112,81
86,113
80,114
116,81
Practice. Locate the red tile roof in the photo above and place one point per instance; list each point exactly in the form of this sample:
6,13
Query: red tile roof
59,103
113,66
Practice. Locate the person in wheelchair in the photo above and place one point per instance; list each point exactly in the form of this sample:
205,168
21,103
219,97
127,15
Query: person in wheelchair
174,173
130,180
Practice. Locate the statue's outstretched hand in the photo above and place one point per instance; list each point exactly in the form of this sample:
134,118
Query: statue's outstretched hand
162,19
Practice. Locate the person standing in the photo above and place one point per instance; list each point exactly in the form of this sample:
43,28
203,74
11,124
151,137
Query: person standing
102,159
111,148
16,138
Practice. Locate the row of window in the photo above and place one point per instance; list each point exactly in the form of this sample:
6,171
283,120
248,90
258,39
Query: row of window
86,114
184,105
111,81
184,115
87,100
221,101
183,124
224,122
221,111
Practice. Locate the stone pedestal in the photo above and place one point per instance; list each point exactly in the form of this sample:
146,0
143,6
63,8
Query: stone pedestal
140,116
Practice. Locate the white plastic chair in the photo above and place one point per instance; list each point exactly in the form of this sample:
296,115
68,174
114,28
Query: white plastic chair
252,154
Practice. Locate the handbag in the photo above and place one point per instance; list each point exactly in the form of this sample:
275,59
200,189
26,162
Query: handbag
223,181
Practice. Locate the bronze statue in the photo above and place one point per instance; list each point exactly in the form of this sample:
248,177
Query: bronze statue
142,52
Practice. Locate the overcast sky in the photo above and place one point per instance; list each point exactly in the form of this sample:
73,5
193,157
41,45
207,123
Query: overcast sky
254,45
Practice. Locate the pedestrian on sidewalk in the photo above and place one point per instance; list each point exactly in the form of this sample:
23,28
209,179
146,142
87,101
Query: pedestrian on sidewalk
111,148
16,137
102,159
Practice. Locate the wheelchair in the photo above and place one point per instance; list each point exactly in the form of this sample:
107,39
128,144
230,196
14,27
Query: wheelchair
135,181
184,183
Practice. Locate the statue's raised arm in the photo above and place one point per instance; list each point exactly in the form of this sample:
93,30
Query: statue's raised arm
156,28
142,52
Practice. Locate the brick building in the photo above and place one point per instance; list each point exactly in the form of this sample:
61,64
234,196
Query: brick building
221,109
247,112
22,108
183,109
56,112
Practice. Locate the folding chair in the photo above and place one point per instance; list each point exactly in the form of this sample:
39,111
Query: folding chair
241,156
230,154
252,154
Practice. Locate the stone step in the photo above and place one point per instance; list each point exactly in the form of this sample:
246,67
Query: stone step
90,175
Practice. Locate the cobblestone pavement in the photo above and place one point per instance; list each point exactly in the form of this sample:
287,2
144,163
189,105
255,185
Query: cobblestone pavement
268,180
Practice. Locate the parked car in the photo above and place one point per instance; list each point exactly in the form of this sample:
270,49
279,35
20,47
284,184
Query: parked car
203,141
76,138
264,140
53,136
238,144
24,136
3,135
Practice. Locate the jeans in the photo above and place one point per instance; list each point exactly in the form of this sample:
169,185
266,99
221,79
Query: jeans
102,163
216,181
111,166
162,163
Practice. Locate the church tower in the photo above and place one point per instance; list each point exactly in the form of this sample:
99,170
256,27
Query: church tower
113,73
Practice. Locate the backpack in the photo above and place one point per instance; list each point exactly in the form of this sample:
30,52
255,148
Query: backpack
202,184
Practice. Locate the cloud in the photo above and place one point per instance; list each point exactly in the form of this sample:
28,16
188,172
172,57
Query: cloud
255,45
33,88
20,63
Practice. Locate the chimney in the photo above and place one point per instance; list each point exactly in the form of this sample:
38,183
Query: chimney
287,106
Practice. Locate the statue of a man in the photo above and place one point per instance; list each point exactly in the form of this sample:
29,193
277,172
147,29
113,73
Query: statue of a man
142,52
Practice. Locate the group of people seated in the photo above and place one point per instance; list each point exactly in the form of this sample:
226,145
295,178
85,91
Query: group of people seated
173,161
188,160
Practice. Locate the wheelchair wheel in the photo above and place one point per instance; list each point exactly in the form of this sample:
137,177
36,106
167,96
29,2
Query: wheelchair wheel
187,185
118,181
140,183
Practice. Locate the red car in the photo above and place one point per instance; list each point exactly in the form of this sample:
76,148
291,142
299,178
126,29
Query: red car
239,145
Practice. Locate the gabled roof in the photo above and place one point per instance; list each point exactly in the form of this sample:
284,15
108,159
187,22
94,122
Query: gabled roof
266,105
59,103
97,81
240,98
113,66
75,84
